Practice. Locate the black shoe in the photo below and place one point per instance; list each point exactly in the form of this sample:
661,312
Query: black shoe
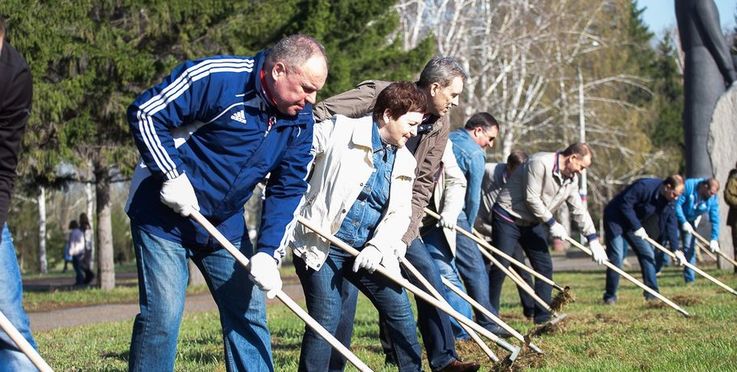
610,301
458,366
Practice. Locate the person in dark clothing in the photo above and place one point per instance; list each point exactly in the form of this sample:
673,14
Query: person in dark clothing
16,91
623,222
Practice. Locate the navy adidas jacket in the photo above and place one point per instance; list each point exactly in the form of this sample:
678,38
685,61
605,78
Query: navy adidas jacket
636,203
234,138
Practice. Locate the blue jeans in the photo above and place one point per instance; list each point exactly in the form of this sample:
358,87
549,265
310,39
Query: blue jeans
324,296
434,324
439,250
689,250
533,240
616,250
471,266
162,280
11,305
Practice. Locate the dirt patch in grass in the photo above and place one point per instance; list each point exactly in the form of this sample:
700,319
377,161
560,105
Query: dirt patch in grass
525,360
562,299
609,319
687,300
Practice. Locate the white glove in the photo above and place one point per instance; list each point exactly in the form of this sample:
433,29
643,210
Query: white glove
264,272
687,228
597,252
178,194
369,259
680,258
558,231
714,246
400,249
641,233
447,222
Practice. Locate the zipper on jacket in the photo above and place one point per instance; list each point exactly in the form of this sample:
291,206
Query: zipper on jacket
272,120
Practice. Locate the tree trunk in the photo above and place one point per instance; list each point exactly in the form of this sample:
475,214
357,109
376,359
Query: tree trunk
89,194
106,265
41,200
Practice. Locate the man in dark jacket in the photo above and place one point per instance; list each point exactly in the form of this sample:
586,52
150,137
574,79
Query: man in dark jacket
623,219
242,118
15,107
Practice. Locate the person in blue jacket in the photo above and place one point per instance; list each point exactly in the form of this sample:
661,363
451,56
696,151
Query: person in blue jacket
469,148
699,197
208,134
623,218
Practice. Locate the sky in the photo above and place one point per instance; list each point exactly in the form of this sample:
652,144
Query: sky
661,14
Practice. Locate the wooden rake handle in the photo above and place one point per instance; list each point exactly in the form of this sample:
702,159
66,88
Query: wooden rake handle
483,243
632,279
415,290
23,344
692,266
720,253
411,268
521,283
283,297
515,262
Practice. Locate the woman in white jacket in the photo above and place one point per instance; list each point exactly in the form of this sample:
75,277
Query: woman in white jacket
361,191
76,251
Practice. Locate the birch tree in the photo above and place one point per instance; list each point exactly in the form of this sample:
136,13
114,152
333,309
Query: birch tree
523,57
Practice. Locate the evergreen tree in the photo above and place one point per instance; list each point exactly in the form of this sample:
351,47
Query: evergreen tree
361,41
640,55
667,126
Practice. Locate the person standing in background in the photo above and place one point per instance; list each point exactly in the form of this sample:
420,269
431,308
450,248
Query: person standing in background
88,239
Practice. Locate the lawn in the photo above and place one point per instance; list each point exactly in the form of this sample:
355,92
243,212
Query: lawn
632,335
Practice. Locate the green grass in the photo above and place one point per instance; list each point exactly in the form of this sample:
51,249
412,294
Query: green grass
125,292
632,335
66,298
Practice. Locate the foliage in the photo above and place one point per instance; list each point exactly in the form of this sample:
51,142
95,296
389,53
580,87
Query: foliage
361,40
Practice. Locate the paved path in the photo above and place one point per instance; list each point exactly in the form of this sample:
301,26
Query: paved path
73,317
78,316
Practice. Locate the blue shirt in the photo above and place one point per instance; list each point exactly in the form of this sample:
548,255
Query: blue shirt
690,205
471,159
361,220
635,204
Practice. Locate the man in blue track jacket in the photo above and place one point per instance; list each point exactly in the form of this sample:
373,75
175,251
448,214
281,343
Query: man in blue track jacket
699,197
208,134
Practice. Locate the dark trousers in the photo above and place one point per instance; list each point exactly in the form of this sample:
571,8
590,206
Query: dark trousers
434,324
533,240
528,304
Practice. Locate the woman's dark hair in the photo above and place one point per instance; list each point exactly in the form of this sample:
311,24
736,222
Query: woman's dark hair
400,98
73,224
84,222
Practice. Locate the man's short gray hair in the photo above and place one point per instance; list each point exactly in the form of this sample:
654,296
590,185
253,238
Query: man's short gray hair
295,49
441,70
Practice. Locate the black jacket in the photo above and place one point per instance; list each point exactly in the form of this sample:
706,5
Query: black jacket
15,106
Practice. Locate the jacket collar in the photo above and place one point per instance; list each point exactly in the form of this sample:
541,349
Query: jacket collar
363,133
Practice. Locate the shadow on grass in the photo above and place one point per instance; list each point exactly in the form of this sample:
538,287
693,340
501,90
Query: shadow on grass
122,356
